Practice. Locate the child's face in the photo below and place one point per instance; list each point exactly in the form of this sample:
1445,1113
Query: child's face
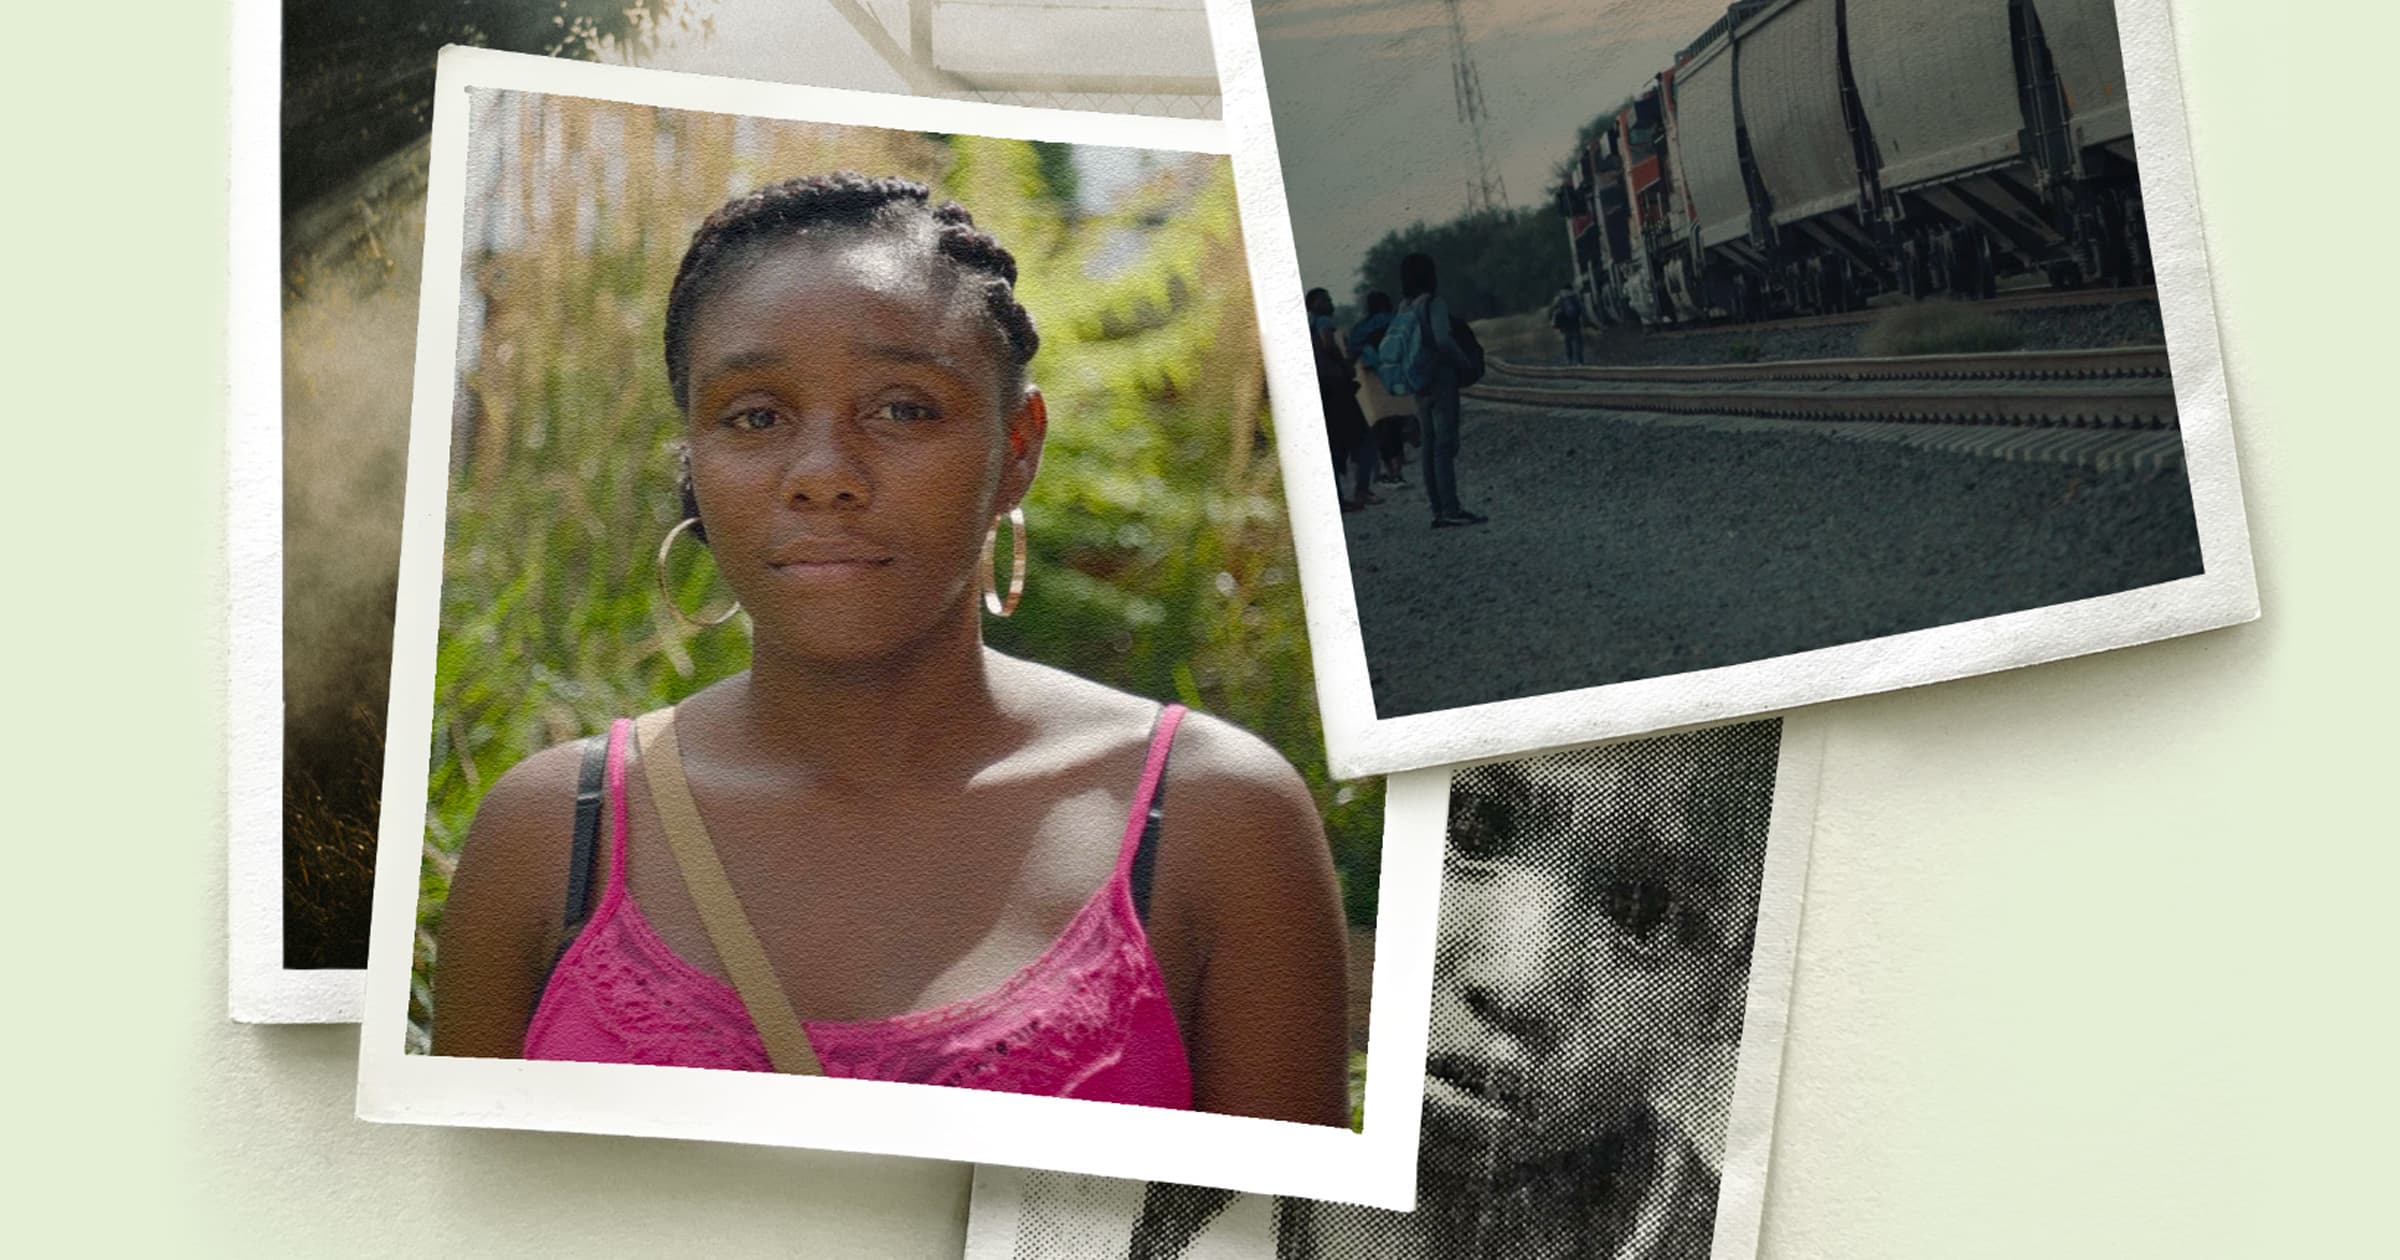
849,445
1590,936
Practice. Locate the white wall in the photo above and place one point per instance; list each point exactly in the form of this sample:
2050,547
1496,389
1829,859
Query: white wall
2095,964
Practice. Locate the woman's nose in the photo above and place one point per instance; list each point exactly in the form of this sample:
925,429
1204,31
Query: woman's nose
825,466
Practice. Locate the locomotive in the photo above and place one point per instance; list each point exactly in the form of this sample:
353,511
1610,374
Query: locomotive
1804,156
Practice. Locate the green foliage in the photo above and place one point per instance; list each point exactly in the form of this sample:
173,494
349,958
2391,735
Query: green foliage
1938,327
1489,264
1161,560
1358,1091
358,74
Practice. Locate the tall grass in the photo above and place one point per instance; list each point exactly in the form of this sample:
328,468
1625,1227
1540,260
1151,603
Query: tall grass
1161,556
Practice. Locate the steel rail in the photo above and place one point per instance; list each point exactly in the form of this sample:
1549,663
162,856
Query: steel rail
2147,404
2012,365
2030,299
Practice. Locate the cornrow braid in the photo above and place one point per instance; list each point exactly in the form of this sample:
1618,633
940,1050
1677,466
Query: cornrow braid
843,200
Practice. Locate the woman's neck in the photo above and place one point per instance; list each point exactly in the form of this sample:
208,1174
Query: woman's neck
926,713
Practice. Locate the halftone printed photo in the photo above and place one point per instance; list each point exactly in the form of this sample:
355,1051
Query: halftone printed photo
1681,360
1611,974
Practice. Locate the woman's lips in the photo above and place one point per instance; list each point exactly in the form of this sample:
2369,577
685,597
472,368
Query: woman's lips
827,562
825,553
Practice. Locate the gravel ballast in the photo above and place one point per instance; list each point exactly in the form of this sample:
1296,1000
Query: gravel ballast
1618,550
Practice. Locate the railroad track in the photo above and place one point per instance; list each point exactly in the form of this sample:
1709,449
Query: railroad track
2108,389
2029,299
2131,361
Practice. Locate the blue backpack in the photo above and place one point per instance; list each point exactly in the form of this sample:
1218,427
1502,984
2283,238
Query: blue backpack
1404,358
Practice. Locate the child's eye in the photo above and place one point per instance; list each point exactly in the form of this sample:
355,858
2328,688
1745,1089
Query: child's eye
1649,916
752,419
1481,829
904,412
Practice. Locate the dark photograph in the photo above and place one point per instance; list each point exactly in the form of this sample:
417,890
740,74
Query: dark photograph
1655,336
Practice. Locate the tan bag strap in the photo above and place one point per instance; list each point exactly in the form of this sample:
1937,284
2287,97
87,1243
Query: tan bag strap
720,910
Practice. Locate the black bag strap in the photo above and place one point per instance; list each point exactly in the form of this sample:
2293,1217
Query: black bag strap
585,854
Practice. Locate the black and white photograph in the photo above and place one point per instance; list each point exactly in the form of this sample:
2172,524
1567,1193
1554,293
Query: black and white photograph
334,103
1679,360
1610,977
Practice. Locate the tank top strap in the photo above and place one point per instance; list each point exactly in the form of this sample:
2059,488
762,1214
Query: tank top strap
1140,822
618,731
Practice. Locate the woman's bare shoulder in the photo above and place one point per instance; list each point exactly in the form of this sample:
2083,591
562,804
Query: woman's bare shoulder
1236,786
519,844
537,790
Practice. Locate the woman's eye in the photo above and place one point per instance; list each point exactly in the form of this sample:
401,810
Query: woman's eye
906,412
752,419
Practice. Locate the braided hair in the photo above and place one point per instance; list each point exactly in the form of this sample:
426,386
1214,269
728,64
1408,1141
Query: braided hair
743,228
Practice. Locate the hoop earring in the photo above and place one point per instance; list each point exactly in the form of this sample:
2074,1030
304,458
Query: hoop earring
667,592
993,601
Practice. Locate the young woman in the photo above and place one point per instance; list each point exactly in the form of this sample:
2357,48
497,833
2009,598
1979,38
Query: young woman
884,850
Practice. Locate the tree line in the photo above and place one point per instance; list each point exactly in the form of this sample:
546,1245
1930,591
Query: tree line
1492,263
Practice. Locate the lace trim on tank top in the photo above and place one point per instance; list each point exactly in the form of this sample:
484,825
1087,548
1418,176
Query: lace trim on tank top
1091,1003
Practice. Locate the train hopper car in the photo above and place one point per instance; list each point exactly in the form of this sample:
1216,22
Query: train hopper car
1820,152
2083,42
1713,209
1944,92
1804,139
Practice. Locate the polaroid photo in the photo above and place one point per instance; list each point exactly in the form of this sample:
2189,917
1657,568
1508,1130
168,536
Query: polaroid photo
1664,362
332,104
1613,970
850,684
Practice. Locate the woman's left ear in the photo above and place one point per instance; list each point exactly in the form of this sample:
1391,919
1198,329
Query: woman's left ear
1027,428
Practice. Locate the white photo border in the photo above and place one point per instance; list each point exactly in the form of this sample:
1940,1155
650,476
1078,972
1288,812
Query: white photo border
259,988
1375,1167
1359,743
996,1208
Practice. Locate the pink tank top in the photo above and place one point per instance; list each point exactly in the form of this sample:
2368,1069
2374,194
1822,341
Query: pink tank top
1088,1019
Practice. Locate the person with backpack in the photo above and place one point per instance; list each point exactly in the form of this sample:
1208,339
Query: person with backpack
1566,315
1431,354
1345,422
1391,420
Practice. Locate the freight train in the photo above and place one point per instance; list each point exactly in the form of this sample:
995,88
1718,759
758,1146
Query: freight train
1804,156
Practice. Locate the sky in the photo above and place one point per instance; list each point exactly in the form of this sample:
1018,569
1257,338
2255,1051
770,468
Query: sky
1366,121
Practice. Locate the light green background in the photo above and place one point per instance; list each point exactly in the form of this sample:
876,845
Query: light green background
2098,957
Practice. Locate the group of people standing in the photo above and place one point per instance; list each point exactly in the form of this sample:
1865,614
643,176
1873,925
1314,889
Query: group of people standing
1395,378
